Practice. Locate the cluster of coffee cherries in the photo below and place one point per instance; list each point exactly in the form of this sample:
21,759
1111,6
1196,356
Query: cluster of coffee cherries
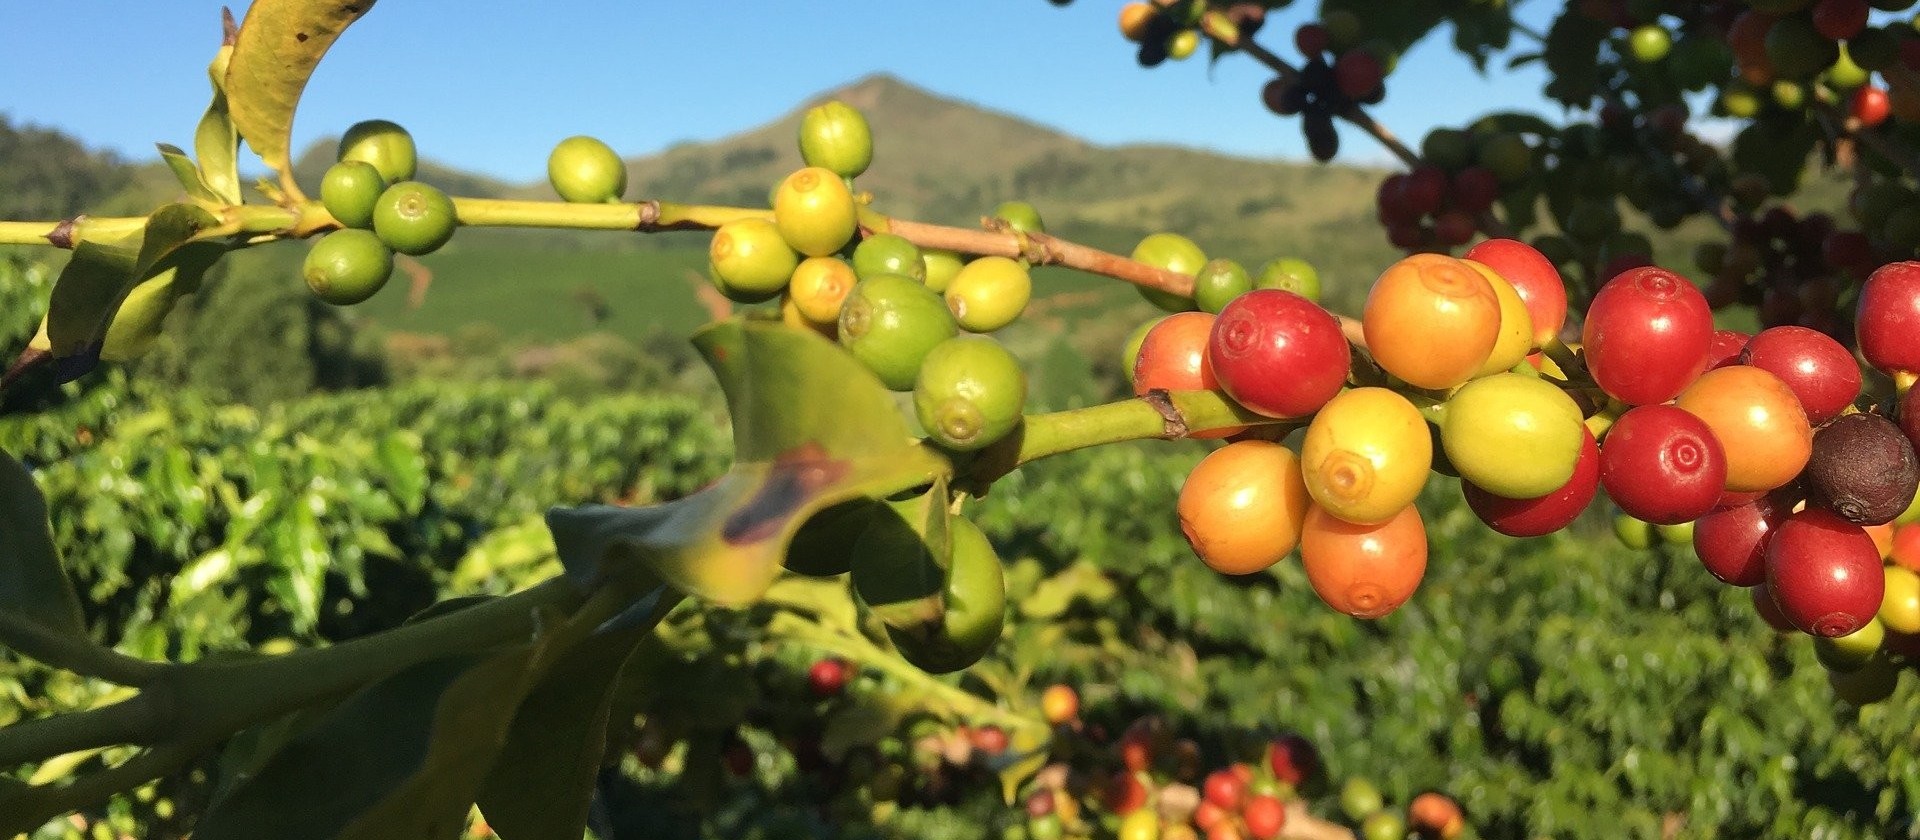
1442,203
1339,73
1791,268
915,318
371,192
1150,784
1172,29
1447,342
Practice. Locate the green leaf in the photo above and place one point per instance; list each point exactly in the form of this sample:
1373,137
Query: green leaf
186,173
542,783
400,759
215,141
1055,594
88,297
33,587
900,569
811,428
403,467
279,45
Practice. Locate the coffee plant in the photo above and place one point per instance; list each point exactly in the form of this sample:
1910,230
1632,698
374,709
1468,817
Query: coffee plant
502,611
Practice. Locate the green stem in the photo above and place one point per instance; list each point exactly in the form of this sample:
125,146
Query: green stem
63,234
642,216
858,649
78,655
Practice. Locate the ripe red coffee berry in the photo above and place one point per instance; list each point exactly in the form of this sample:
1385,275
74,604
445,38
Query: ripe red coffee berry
1663,465
1732,541
1888,318
1277,353
1533,278
1819,370
828,677
1646,336
1824,573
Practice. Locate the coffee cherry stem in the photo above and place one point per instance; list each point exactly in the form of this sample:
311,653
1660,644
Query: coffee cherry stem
1164,415
1036,248
1568,361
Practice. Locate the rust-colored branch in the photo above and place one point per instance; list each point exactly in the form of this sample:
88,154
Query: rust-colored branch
1035,248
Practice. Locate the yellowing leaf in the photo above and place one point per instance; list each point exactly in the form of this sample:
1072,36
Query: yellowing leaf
279,45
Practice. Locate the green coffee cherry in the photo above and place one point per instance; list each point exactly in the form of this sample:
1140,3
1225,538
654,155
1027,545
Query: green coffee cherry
942,265
1852,651
1633,533
1020,216
886,253
1290,274
349,191
414,218
815,212
836,137
970,393
1219,281
751,260
347,266
385,145
584,170
975,596
989,293
1172,252
890,323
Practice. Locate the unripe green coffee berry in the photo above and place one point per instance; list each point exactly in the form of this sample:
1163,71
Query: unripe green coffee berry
1172,252
836,137
1219,281
989,293
815,212
385,145
1290,274
347,266
349,191
970,393
414,218
942,265
890,323
886,253
582,169
751,260
1020,216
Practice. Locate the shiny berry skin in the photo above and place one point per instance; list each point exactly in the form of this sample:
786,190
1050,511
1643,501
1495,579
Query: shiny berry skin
1870,105
1724,348
1646,336
1225,789
1910,417
751,261
1059,704
1548,513
1365,571
989,293
1366,455
1243,505
1513,434
349,190
347,266
1758,422
584,169
414,218
1431,320
1277,353
1822,374
1436,815
815,211
890,323
1173,357
385,145
1515,339
1662,465
1218,283
969,393
1533,277
1732,541
835,135
828,677
1888,318
1265,816
1824,573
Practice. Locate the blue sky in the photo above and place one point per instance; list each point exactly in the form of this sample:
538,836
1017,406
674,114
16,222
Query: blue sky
493,88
